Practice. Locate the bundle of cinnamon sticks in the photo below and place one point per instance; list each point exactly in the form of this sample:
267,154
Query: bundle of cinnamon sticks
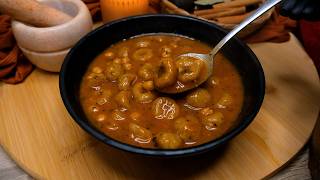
230,12
227,14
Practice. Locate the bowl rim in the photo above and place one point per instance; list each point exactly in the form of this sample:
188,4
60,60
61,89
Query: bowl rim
159,152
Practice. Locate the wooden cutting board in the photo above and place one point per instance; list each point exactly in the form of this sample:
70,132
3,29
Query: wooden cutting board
39,134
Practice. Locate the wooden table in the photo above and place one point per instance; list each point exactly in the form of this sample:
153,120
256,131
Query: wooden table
260,138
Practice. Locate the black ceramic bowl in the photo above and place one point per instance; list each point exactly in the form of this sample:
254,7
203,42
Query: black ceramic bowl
80,56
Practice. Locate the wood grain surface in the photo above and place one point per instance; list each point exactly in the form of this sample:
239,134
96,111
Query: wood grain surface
38,133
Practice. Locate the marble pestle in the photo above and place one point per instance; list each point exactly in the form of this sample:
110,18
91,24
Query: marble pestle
34,13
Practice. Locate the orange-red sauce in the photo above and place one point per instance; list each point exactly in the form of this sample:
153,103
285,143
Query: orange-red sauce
99,90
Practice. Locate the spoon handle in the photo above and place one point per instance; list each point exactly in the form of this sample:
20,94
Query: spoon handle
262,9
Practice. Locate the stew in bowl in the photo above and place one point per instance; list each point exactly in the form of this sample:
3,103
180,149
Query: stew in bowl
109,80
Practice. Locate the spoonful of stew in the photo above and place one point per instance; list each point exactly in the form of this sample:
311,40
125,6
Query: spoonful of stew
193,69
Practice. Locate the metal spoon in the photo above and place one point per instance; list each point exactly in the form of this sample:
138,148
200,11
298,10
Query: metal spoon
208,58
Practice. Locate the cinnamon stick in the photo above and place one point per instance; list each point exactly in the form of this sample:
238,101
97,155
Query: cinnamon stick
236,3
174,8
208,11
232,19
227,12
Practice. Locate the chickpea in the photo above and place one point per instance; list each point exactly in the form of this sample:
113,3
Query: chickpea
189,69
113,71
90,76
109,55
123,52
96,70
159,39
118,115
168,140
139,133
174,44
199,98
135,116
143,44
142,54
142,95
188,128
165,51
123,98
213,121
127,66
101,117
125,60
166,74
104,96
100,97
165,108
206,111
224,101
100,120
117,61
146,72
95,80
148,85
126,81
